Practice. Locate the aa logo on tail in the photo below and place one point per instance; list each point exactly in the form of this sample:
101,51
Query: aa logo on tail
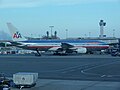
17,35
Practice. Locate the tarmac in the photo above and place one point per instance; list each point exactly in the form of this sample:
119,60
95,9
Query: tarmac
49,84
67,67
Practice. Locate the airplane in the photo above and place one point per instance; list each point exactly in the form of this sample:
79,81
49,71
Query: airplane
61,46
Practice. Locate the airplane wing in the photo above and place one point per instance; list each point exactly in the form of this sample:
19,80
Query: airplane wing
5,44
63,47
16,43
66,46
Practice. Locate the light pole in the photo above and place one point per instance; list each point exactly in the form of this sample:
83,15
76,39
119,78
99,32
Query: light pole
39,36
31,35
89,34
66,33
85,35
113,32
51,29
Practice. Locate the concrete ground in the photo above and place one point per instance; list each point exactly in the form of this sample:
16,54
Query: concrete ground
85,72
49,84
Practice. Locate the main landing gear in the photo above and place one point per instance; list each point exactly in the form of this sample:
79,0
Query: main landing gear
38,53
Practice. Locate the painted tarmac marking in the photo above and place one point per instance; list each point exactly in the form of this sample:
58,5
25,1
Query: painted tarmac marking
103,75
109,76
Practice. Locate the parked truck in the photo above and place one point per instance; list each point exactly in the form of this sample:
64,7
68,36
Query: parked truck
25,79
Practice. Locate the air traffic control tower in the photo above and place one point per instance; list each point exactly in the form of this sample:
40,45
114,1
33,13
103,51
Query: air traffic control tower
102,24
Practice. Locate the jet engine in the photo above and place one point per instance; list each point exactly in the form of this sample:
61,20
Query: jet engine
81,50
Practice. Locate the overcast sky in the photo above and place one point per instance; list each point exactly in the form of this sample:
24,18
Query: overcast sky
80,17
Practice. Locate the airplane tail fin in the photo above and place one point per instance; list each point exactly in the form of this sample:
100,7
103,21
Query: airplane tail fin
16,35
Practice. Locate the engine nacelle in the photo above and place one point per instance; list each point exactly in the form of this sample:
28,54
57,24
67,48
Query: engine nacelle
54,48
81,50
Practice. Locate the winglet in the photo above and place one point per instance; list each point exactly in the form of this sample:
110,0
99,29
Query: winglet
16,35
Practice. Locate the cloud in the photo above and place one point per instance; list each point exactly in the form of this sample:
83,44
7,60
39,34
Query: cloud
74,2
37,3
17,4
